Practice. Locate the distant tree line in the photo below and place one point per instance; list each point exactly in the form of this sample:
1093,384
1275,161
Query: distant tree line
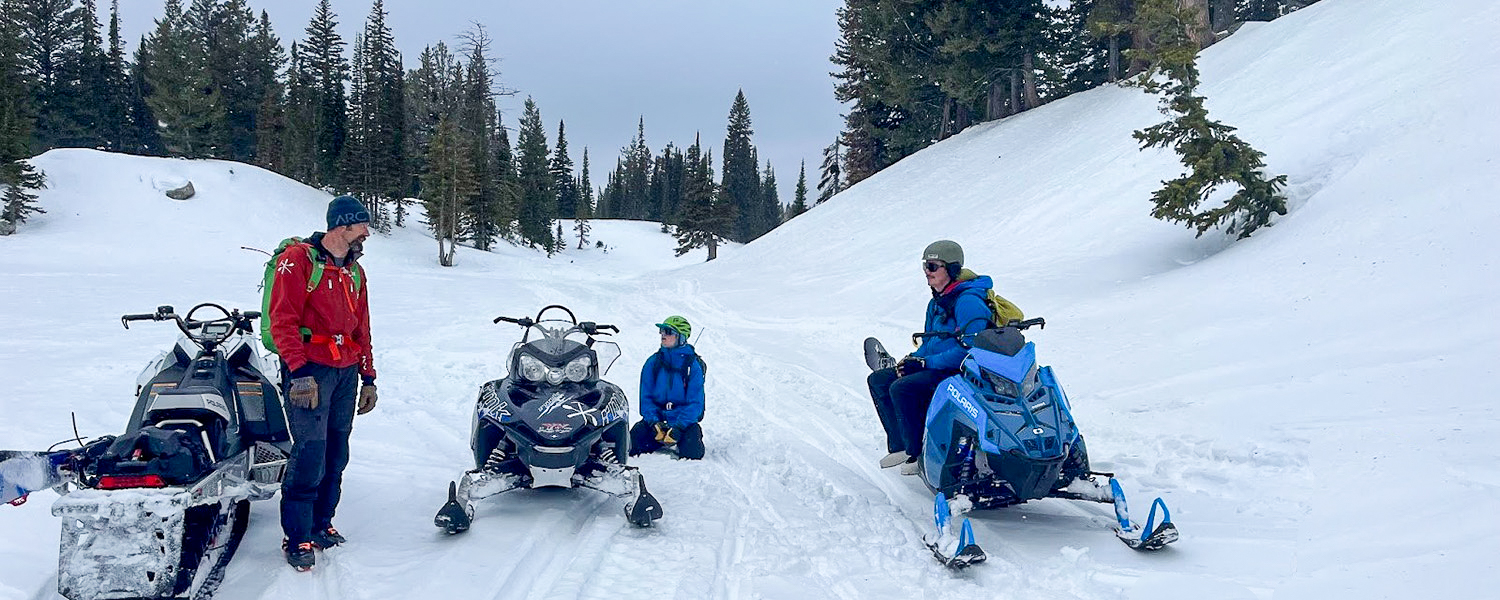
212,80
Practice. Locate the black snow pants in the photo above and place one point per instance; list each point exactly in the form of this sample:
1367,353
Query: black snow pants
320,451
901,403
689,440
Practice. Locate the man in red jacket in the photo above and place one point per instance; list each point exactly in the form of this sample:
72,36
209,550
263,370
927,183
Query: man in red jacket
320,321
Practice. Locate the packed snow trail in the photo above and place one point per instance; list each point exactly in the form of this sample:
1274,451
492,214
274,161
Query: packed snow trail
1314,402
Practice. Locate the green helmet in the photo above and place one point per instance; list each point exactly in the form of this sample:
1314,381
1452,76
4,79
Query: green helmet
678,324
947,251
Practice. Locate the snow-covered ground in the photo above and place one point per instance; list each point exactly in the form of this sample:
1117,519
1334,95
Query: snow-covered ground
1316,403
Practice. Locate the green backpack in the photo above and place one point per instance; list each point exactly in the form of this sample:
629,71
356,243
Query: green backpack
1002,311
312,283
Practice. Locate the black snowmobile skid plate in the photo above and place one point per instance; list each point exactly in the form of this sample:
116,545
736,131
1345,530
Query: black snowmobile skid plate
876,357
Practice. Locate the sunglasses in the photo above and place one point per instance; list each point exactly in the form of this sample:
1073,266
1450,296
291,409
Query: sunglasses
932,266
667,331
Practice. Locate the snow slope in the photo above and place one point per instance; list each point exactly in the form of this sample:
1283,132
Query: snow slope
1316,402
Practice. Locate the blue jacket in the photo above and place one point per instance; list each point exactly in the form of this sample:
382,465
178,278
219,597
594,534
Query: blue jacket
672,387
959,309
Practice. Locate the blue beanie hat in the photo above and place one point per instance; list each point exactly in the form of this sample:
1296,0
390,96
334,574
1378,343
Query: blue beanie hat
346,210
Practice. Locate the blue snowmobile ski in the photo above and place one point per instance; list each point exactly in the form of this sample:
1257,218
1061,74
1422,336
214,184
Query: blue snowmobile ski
1001,432
25,471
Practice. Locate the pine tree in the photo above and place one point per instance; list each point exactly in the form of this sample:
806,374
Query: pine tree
270,129
428,91
1213,153
51,39
770,203
182,98
93,79
236,69
374,165
585,208
266,57
326,74
831,181
741,183
799,200
17,175
562,176
507,185
114,98
447,183
635,177
144,136
706,216
299,147
666,186
534,180
476,119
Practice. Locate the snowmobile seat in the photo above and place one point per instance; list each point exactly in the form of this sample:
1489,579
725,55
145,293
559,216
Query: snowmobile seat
198,410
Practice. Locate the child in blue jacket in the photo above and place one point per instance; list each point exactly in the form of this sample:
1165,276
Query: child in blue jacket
671,395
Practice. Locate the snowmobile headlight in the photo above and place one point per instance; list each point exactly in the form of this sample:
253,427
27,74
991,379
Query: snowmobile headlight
532,369
554,376
1002,386
578,369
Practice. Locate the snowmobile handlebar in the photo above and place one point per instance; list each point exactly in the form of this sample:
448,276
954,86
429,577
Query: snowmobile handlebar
238,321
588,327
1013,324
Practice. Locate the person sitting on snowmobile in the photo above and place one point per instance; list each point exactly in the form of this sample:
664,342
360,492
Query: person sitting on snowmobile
671,395
902,393
323,336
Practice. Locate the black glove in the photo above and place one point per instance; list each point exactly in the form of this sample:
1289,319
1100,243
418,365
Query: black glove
909,365
304,393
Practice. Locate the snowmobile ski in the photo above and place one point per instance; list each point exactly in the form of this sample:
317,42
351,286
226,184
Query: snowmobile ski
453,517
876,357
643,508
955,552
25,471
1154,536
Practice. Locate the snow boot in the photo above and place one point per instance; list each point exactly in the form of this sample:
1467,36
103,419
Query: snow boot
301,556
327,538
893,459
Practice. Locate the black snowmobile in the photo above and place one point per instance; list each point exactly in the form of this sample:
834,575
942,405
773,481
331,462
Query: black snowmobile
158,511
552,422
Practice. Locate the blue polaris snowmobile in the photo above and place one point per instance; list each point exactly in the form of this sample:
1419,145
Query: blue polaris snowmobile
1001,432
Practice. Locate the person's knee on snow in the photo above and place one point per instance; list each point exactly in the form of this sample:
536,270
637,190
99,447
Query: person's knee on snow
671,399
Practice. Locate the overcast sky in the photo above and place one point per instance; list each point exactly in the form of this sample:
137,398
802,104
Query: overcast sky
600,65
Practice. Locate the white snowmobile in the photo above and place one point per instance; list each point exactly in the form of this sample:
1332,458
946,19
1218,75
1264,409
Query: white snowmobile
552,422
158,511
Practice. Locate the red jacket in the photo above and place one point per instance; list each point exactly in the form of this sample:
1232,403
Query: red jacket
336,312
